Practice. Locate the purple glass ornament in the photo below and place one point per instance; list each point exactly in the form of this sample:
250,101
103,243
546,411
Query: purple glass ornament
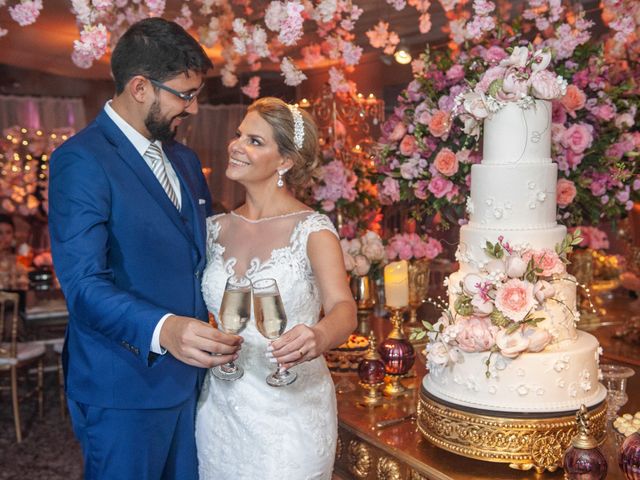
371,371
629,457
580,464
398,355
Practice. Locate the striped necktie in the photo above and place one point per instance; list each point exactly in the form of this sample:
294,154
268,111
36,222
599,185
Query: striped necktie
154,155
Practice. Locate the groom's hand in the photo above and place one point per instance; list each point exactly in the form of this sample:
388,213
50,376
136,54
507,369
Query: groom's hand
193,342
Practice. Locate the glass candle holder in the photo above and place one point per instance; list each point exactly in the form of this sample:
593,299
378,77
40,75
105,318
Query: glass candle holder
371,373
583,460
629,458
398,355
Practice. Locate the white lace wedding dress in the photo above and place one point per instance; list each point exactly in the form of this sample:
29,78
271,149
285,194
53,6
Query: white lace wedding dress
246,429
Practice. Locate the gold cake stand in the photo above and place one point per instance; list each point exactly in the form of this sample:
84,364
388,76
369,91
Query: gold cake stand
524,441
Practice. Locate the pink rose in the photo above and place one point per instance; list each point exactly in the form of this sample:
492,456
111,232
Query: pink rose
544,85
513,344
578,137
390,191
476,334
432,249
439,124
624,121
573,100
362,265
439,186
514,299
605,112
455,73
558,113
446,162
398,132
565,192
547,260
408,145
538,338
494,54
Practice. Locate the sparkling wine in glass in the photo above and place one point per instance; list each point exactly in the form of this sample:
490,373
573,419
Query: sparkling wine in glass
271,321
235,312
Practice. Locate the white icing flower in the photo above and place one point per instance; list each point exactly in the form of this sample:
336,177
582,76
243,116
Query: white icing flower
520,372
498,212
532,205
585,381
560,383
522,390
573,390
541,196
532,185
489,201
492,389
560,365
470,206
540,391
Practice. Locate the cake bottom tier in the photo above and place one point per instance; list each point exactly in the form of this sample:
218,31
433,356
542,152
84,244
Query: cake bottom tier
558,379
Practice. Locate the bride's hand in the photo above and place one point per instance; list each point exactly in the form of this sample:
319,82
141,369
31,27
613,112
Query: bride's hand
298,345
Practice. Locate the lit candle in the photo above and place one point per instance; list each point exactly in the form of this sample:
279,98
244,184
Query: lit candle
396,284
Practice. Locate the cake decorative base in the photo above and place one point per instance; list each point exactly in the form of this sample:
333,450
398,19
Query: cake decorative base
524,441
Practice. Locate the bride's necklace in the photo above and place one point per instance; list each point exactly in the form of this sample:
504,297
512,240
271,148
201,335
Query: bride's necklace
259,220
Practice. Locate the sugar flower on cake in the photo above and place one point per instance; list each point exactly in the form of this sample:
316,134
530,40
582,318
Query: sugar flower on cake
501,307
522,77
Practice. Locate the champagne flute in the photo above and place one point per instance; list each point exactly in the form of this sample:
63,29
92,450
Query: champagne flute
235,312
271,321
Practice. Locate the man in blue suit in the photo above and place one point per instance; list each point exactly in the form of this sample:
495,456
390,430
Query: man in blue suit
127,220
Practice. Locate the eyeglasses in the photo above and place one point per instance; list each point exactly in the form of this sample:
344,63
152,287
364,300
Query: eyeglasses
188,98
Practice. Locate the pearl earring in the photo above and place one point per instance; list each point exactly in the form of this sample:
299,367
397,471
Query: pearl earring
280,183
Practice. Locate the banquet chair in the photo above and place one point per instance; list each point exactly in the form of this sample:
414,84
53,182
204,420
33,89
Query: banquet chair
16,357
57,348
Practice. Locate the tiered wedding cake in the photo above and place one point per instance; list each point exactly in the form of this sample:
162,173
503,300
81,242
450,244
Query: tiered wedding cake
508,342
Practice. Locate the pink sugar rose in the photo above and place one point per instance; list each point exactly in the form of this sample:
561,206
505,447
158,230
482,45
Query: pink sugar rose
511,344
408,145
514,299
544,85
578,137
494,73
476,334
446,162
398,132
439,124
440,186
547,260
515,266
538,338
514,87
573,100
474,103
565,192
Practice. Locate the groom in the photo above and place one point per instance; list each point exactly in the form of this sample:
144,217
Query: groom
127,221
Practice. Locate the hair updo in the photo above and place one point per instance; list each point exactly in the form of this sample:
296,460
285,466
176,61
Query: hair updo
306,159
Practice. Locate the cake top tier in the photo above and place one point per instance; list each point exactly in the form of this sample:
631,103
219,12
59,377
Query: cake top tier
513,100
518,134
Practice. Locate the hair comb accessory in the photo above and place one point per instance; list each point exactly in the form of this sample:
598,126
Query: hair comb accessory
298,126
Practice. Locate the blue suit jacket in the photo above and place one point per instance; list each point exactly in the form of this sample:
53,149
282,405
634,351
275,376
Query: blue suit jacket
125,257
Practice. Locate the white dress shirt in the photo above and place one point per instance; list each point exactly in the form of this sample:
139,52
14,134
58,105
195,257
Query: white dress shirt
141,144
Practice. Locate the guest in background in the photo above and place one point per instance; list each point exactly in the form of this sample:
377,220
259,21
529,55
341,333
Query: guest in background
247,429
127,222
7,235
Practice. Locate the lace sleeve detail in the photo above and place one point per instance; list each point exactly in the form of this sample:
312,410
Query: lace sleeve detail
213,230
314,222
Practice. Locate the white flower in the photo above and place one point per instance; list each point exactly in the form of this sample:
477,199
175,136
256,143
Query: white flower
516,266
292,76
518,58
511,344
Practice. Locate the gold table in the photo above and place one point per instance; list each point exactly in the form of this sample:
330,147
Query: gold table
400,452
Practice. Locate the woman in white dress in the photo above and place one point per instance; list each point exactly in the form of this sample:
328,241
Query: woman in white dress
246,429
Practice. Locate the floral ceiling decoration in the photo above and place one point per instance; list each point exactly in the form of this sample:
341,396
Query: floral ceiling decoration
303,34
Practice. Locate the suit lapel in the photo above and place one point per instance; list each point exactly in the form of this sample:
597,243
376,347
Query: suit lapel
189,196
132,158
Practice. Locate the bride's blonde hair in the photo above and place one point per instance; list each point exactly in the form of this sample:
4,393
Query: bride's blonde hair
305,159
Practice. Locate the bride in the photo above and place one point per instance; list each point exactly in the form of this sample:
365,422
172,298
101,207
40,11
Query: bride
246,429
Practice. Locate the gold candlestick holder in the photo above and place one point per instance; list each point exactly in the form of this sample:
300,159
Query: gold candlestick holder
397,354
371,372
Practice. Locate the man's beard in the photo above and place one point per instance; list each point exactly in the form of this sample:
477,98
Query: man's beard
159,128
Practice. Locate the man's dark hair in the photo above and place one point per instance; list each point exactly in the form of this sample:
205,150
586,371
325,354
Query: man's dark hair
156,48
